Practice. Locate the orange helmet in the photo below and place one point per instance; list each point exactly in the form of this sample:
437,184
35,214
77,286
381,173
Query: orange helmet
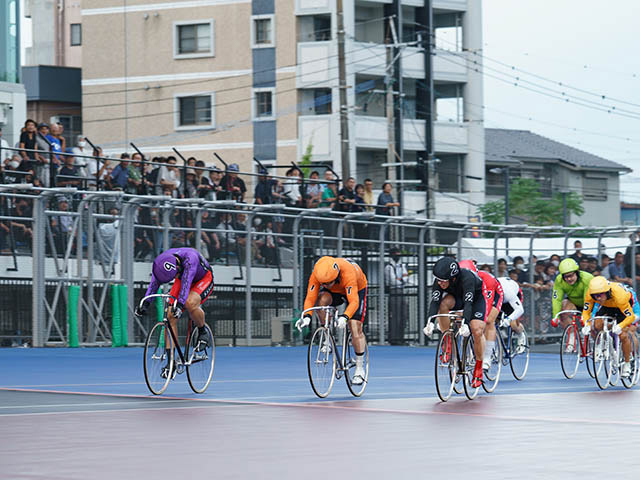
326,270
468,264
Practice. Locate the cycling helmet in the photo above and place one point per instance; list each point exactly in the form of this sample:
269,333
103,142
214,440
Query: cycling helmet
568,265
166,267
326,270
468,264
446,268
599,285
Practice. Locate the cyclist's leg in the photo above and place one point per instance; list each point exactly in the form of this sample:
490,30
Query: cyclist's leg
198,294
565,318
325,299
477,326
447,304
625,340
356,322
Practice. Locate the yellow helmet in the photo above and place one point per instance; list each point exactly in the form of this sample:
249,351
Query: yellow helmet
599,285
326,270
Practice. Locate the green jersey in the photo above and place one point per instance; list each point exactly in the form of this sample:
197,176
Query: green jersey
575,293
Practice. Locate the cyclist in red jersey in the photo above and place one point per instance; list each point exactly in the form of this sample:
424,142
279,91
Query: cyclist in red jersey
494,296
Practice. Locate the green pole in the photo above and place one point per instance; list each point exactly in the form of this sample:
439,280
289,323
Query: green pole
116,323
72,315
124,316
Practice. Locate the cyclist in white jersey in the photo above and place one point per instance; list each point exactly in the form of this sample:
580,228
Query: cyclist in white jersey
512,309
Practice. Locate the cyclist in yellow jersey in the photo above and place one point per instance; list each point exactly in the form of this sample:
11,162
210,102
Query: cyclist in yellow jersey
332,282
617,302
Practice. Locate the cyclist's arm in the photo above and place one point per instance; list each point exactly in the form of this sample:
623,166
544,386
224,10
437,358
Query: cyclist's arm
587,309
188,273
436,298
518,309
629,316
153,287
556,296
499,296
468,296
312,292
351,290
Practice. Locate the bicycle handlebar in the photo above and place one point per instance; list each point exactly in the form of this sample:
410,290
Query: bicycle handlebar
574,312
160,295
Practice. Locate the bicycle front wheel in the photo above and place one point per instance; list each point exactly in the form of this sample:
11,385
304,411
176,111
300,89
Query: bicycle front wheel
321,362
492,374
157,356
446,369
201,358
519,354
589,355
469,364
356,385
602,360
570,351
617,358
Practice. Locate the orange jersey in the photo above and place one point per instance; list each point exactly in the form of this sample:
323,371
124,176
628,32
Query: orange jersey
350,281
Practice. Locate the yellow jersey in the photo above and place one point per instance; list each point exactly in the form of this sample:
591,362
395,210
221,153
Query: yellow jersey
620,298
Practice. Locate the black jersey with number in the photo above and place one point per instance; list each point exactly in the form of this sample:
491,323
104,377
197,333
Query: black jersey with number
466,287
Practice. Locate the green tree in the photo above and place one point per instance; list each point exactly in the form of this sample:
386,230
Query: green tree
305,162
526,202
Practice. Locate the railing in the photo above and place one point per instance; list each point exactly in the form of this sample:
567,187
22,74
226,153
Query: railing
94,240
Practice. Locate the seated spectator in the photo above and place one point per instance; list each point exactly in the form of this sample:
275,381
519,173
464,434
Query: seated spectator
12,172
584,263
210,239
555,259
518,265
550,272
593,268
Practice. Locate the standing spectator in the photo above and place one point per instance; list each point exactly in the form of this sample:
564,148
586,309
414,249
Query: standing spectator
233,185
396,277
5,153
28,141
119,178
136,183
191,183
347,196
291,188
385,201
69,169
79,151
209,239
360,229
169,177
485,267
263,193
617,270
518,266
577,255
212,185
268,248
56,134
606,261
502,268
46,162
330,193
200,177
62,226
97,169
368,194
314,191
555,259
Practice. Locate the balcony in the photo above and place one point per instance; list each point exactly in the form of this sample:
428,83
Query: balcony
450,137
312,7
449,66
321,132
371,132
450,5
317,65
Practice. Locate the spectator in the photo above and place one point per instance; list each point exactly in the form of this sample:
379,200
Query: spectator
106,235
46,162
263,192
200,176
234,186
502,268
635,237
144,246
226,235
169,177
314,191
61,226
617,270
347,196
485,267
12,173
212,185
592,266
136,184
5,153
56,136
577,255
518,265
291,188
268,249
191,161
550,273
28,142
555,259
584,263
396,277
191,183
385,201
606,261
210,239
97,168
367,196
69,169
329,195
360,228
514,275
119,178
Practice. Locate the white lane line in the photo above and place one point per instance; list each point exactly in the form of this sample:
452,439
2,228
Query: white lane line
98,404
76,412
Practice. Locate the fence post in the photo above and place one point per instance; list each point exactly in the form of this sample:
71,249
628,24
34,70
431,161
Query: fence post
381,316
422,281
38,291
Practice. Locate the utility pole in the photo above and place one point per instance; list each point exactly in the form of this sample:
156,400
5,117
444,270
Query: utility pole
342,86
391,127
425,98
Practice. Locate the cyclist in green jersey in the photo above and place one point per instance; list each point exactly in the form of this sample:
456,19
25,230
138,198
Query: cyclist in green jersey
573,283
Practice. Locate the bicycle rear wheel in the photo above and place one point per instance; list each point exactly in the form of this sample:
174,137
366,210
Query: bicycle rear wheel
356,389
570,351
201,359
635,365
602,360
469,364
446,365
156,357
458,380
519,354
630,381
492,375
321,362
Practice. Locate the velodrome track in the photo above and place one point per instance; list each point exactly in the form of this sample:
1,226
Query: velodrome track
87,414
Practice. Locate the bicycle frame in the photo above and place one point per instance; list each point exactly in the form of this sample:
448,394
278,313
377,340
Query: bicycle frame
169,300
457,321
584,340
329,322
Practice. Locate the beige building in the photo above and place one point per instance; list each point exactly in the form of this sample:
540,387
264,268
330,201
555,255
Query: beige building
259,78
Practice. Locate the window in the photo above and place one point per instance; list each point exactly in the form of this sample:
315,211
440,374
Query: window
194,111
264,104
193,40
76,34
262,34
595,189
449,173
322,28
322,101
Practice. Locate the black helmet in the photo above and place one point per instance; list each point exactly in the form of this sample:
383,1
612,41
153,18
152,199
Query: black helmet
446,268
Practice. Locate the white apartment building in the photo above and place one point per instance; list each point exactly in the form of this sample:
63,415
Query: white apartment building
259,78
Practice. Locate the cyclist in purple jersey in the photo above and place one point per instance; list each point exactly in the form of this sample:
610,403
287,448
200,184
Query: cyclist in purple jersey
192,278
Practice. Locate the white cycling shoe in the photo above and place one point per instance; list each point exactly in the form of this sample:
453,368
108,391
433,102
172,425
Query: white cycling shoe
358,376
626,370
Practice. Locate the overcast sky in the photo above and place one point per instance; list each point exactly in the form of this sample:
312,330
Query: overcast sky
588,44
